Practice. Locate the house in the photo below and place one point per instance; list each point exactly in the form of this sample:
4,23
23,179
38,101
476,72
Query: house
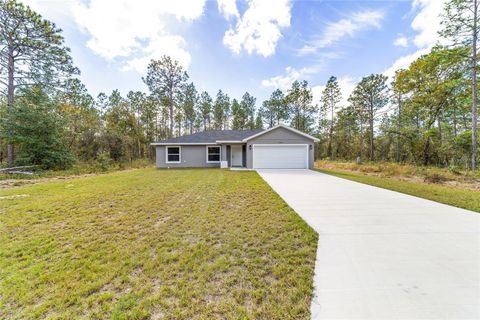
277,147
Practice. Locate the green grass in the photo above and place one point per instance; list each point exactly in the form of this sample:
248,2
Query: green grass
462,198
159,244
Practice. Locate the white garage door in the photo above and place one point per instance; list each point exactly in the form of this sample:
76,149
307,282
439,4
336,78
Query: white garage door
280,156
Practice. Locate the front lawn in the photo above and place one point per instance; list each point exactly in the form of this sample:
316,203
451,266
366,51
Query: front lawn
147,243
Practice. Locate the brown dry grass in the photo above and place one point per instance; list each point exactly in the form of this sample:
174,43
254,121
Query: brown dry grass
451,177
453,188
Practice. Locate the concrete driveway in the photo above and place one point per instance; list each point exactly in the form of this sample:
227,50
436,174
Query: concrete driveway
383,254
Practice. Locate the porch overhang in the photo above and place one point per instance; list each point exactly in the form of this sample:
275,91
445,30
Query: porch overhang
183,143
228,141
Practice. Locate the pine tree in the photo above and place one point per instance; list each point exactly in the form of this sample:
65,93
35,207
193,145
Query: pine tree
258,122
221,109
32,52
369,97
166,79
299,99
189,103
462,25
331,97
205,109
238,115
248,107
275,109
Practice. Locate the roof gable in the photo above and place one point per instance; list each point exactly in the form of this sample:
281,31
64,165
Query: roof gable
284,127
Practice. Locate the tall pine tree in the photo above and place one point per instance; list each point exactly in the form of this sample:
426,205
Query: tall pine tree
32,52
462,26
331,97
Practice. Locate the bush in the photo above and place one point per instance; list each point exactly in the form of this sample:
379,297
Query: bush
104,161
36,129
434,178
454,169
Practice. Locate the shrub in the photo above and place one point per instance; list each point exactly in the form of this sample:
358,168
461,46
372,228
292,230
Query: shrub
454,169
37,130
434,178
104,161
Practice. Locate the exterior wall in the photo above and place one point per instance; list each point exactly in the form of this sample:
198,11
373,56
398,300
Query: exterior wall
192,156
223,156
280,136
229,150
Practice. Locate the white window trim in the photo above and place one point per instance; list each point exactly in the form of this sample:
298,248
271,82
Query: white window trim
206,154
179,154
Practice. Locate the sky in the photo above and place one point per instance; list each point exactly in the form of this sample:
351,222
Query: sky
243,45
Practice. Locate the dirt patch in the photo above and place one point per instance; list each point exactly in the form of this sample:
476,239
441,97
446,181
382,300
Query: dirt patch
11,183
15,196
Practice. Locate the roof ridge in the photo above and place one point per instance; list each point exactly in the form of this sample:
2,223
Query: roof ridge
211,136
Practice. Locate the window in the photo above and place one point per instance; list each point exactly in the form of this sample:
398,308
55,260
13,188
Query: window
213,154
173,155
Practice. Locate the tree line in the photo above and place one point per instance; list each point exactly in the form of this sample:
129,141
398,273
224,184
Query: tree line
426,114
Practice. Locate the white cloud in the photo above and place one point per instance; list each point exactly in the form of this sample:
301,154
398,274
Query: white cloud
427,22
136,31
228,8
259,28
427,25
284,82
169,45
344,28
346,83
404,62
401,41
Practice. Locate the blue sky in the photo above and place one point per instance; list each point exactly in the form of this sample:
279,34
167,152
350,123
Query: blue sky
238,46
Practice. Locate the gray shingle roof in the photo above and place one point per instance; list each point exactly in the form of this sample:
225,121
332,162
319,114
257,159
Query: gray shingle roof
212,136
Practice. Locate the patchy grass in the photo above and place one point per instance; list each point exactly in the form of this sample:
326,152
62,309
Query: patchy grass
79,169
459,197
159,244
450,176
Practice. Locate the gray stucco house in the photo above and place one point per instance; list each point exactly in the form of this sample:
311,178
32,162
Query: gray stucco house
277,147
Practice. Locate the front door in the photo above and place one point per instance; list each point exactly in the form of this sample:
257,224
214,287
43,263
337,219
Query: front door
237,156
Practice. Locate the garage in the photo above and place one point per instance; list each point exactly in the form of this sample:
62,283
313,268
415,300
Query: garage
293,156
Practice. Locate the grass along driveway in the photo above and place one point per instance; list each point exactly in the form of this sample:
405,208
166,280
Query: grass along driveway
149,243
462,198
